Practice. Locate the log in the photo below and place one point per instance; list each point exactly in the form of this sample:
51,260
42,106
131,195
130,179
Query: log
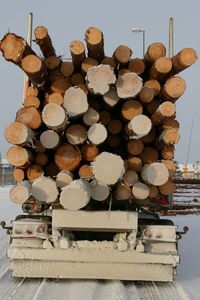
19,156
153,84
56,74
123,71
97,134
170,136
19,134
88,63
155,174
109,61
131,109
173,89
135,147
130,178
75,102
113,140
49,139
51,170
165,110
30,117
33,66
89,152
77,50
146,94
153,193
67,157
139,126
76,134
77,78
137,65
171,167
149,138
18,174
60,85
115,126
161,68
44,41
100,190
33,172
64,178
52,62
41,159
168,188
83,86
108,168
183,59
152,106
123,192
134,164
95,43
170,124
32,91
122,54
75,195
54,116
91,117
149,155
129,85
154,51
105,117
140,191
100,78
67,68
21,192
86,172
31,101
38,148
111,98
167,152
56,98
44,189
14,48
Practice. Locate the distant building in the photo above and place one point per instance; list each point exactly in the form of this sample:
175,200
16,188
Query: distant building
188,170
6,170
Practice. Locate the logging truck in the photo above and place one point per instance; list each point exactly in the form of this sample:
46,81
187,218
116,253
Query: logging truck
93,160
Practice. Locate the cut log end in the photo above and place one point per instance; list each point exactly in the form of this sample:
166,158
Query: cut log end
67,157
97,134
129,85
140,191
49,139
44,189
76,134
75,102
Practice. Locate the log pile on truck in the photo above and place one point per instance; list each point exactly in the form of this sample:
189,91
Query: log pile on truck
95,130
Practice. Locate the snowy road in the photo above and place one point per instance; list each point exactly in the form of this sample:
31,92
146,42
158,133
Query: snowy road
187,285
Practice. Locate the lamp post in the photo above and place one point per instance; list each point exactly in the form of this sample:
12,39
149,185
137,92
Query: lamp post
138,30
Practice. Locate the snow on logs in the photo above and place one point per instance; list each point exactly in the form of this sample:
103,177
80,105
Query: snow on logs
94,127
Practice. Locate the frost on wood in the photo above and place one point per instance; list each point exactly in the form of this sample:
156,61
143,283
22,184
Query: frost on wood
129,85
100,78
44,189
75,195
108,168
75,102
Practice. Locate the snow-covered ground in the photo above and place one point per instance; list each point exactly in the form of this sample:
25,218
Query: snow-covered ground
186,286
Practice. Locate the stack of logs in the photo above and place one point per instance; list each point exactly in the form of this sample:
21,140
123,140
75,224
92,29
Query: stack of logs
94,128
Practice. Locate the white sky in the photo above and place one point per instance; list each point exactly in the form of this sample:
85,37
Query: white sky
68,20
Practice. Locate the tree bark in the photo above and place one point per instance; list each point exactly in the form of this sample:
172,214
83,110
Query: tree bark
77,50
44,41
52,62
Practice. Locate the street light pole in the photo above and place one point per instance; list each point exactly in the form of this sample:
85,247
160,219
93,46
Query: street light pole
138,30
